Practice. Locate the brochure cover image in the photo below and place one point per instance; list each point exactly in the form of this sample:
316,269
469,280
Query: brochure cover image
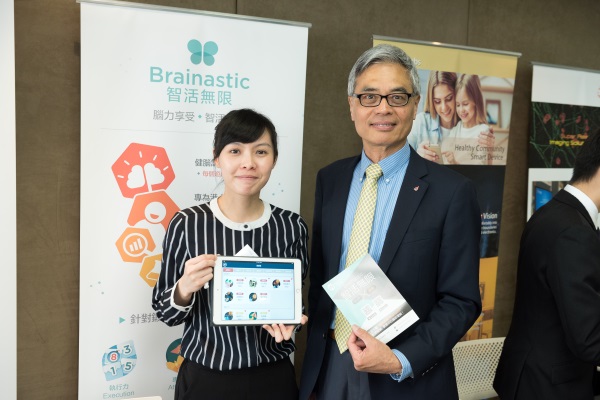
367,298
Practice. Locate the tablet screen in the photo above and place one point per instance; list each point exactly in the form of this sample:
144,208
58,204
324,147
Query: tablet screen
252,290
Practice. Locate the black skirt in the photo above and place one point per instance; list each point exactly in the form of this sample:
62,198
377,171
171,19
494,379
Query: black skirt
275,380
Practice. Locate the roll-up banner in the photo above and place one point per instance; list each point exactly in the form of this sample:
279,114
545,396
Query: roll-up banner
8,200
565,104
464,113
155,81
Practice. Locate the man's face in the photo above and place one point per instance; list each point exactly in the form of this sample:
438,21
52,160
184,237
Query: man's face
383,129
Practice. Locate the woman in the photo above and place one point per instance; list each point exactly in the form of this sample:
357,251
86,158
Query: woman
464,143
230,362
438,118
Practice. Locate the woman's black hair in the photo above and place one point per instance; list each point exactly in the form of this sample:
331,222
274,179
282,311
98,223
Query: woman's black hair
243,126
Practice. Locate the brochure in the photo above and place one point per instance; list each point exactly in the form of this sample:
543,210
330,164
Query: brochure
367,298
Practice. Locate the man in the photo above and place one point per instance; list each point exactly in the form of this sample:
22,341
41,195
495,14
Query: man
424,235
553,344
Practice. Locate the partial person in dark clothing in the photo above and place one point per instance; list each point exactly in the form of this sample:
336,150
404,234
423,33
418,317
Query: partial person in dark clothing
553,345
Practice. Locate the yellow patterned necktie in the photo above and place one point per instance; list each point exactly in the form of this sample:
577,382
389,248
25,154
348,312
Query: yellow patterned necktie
359,241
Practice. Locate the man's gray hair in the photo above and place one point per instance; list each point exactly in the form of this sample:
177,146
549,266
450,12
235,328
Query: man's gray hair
384,53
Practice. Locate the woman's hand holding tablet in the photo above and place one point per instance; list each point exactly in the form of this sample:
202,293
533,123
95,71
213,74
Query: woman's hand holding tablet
283,332
197,272
258,291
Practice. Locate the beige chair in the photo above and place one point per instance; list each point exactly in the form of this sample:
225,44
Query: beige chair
475,362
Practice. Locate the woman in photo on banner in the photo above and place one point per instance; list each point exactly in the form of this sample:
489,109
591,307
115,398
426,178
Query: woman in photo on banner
221,361
439,117
465,144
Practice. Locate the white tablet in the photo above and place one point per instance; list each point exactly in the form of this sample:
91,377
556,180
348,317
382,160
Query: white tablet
257,291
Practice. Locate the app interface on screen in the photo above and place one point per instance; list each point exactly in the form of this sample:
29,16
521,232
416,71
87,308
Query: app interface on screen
258,290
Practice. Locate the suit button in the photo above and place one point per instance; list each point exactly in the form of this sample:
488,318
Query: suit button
324,336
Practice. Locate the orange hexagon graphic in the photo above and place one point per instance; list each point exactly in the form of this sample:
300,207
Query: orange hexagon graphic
134,244
154,207
151,269
143,168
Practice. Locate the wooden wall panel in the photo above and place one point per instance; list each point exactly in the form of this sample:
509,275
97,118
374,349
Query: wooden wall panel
47,106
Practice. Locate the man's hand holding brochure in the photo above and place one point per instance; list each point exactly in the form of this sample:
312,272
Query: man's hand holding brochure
367,298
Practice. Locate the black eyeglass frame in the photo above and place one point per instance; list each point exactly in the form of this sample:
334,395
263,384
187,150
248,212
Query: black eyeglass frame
381,97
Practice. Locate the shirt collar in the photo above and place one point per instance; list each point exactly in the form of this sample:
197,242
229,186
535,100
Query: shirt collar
586,201
389,165
241,226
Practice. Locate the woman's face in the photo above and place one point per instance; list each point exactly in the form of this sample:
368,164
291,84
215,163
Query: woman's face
465,108
246,167
444,104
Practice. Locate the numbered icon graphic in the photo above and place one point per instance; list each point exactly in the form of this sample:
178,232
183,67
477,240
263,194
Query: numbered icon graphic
119,360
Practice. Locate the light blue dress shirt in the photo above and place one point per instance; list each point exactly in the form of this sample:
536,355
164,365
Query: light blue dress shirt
388,188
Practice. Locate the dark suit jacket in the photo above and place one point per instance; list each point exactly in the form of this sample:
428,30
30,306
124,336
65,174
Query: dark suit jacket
554,339
431,254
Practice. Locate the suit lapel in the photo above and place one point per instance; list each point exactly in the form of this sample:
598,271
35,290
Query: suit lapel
411,193
340,191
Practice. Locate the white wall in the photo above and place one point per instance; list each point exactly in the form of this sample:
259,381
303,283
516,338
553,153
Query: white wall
8,210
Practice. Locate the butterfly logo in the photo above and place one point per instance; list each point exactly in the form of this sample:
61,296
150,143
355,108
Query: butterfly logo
200,53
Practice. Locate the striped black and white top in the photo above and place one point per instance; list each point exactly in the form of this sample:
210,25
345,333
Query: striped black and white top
203,229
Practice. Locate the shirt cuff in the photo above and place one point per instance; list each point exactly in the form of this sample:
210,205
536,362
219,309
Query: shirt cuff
406,367
178,307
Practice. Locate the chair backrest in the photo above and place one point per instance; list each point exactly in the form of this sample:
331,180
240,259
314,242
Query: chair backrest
475,363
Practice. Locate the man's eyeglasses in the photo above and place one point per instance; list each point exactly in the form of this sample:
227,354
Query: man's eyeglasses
393,99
